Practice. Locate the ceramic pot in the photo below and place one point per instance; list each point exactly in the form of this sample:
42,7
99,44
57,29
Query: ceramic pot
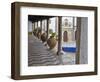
51,42
44,37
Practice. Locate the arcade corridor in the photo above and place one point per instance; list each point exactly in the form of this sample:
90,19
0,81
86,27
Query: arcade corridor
56,40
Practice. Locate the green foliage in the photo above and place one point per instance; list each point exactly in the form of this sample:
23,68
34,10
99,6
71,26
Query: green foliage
53,34
50,31
29,33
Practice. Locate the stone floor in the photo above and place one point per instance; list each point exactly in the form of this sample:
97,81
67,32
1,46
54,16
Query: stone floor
40,55
68,57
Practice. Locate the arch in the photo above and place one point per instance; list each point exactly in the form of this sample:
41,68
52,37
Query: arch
65,36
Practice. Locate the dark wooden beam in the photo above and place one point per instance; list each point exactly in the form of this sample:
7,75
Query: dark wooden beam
35,18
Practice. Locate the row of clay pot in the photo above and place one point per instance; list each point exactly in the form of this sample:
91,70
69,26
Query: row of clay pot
51,41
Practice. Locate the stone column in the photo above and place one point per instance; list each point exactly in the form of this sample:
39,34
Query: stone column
78,34
32,27
47,28
59,34
41,25
84,41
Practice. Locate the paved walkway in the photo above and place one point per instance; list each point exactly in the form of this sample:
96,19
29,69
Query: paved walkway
39,54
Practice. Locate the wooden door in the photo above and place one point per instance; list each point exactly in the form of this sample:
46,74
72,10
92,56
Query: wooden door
65,36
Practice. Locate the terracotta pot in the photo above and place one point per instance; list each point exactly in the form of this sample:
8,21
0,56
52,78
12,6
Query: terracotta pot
39,35
51,42
44,37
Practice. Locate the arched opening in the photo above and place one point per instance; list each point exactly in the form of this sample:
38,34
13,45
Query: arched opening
65,36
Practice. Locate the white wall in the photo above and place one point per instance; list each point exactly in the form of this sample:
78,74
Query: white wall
30,26
5,41
52,24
